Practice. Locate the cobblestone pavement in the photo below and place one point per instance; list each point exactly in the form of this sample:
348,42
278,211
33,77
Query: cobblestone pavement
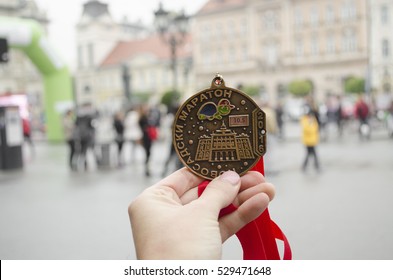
343,212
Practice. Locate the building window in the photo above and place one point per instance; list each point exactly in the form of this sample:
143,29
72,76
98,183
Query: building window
299,47
314,44
80,56
219,32
232,54
329,14
205,33
231,28
349,41
385,48
314,16
90,51
269,21
244,27
245,52
330,44
271,53
384,14
348,10
298,18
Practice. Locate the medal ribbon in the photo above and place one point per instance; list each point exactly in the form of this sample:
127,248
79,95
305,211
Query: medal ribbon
258,238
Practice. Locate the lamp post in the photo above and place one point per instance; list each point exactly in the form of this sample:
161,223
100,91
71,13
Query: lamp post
126,77
172,28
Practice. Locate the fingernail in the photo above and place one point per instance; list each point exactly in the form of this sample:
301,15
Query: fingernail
231,177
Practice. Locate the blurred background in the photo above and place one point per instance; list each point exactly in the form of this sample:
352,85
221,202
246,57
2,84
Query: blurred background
88,92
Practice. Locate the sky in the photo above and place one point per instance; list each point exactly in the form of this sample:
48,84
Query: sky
64,15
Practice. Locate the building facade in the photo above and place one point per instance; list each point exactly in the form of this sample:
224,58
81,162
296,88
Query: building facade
97,33
269,44
381,52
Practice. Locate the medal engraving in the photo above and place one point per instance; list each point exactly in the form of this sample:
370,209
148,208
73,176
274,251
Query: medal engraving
219,129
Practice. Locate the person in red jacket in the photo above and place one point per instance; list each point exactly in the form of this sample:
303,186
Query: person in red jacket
362,112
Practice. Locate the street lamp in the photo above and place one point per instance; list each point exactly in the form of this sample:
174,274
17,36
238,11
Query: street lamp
172,28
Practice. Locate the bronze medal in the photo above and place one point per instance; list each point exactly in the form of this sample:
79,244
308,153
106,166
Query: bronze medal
219,129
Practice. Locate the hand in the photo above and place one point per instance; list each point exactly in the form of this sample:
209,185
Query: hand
169,221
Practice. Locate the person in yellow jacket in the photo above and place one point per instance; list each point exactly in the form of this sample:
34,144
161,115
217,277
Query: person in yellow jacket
310,137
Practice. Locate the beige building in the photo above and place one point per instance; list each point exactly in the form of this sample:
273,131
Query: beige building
271,43
149,67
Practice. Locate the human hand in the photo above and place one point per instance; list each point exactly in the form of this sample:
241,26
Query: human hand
169,221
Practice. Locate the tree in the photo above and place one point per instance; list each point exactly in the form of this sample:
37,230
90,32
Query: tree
169,98
251,90
300,87
354,85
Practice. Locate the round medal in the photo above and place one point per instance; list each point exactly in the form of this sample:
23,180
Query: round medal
219,129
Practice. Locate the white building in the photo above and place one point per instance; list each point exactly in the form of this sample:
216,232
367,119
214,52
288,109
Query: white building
97,33
381,50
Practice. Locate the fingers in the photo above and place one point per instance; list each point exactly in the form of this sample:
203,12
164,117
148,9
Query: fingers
220,192
251,179
266,188
181,181
247,212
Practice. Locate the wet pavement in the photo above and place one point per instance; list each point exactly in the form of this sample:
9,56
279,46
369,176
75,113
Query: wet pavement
343,212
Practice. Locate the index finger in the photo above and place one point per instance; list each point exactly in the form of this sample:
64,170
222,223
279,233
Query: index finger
181,181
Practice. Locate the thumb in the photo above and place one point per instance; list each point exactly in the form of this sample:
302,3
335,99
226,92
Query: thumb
221,192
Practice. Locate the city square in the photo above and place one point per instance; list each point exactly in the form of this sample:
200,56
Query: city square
343,212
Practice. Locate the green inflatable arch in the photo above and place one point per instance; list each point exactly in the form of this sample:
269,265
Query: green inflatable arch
28,36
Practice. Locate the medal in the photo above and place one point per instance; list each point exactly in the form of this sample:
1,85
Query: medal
219,129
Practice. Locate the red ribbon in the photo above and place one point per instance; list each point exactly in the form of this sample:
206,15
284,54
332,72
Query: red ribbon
258,238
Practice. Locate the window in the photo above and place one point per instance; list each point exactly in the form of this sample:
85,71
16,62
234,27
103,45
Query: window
90,50
298,17
348,10
245,52
329,14
231,28
271,53
349,41
314,44
243,27
330,44
384,14
385,48
269,21
80,56
299,47
314,16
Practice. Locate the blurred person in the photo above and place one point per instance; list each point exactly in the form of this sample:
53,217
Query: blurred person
310,138
280,119
85,131
170,216
362,111
70,137
27,133
118,126
147,135
339,115
132,131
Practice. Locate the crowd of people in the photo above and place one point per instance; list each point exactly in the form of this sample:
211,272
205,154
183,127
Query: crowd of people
139,127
